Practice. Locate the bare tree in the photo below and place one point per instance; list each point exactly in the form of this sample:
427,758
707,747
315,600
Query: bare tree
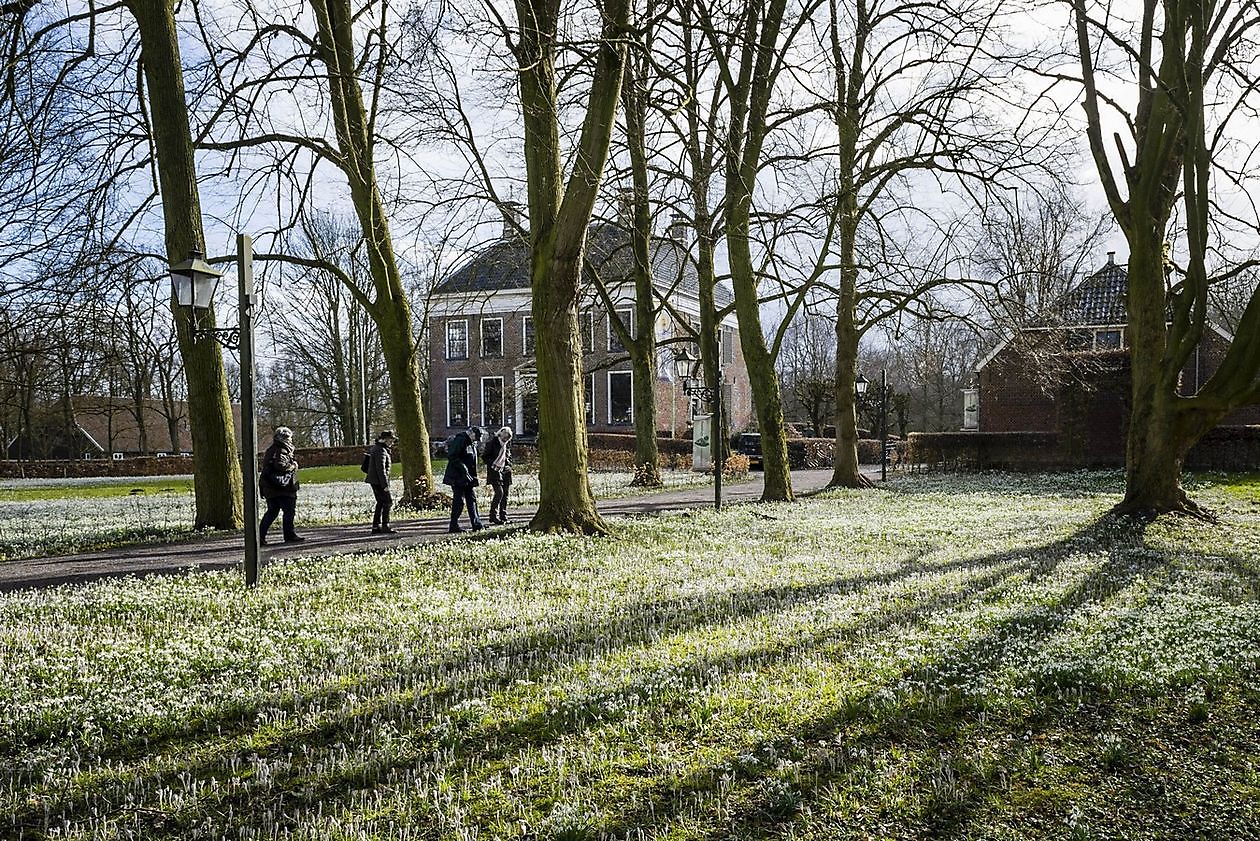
160,122
916,86
1031,254
348,66
807,367
1192,67
559,214
330,358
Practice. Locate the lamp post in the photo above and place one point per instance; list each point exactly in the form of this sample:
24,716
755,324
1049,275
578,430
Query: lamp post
860,386
883,424
687,369
194,281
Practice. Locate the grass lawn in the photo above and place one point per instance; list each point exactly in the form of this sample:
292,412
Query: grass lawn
40,518
26,490
953,657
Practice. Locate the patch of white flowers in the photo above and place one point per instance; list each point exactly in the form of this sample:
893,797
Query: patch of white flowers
33,528
695,668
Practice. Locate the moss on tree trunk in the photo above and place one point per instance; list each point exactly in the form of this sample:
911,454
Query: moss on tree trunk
217,483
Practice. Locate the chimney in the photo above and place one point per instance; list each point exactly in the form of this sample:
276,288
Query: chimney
513,219
678,227
1111,258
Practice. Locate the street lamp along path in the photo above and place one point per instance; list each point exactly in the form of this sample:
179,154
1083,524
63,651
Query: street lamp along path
687,370
194,282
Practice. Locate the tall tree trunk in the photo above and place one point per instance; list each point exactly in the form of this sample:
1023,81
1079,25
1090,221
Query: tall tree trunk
767,397
1171,161
559,215
746,133
217,483
846,472
390,309
643,344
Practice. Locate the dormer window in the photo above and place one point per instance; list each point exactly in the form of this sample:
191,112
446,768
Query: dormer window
1111,339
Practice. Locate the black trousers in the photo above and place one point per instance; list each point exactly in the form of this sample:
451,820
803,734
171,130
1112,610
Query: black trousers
275,505
459,498
384,502
498,503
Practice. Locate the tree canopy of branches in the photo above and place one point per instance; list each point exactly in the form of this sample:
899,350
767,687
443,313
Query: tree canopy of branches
143,41
1192,67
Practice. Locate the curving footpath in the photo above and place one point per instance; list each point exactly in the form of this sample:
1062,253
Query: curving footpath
224,552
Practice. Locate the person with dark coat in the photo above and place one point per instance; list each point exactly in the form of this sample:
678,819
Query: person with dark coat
461,475
278,483
498,459
380,460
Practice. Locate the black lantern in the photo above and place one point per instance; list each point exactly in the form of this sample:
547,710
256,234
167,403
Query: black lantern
686,369
194,282
860,385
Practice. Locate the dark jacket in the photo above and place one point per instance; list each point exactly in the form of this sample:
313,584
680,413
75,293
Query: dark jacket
279,471
491,452
461,463
380,460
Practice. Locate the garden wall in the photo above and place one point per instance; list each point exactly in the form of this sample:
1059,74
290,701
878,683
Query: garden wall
1224,448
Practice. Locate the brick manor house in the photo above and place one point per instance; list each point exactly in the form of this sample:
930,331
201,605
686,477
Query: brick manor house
482,359
1067,372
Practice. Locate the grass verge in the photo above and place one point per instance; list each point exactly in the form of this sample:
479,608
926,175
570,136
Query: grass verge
955,657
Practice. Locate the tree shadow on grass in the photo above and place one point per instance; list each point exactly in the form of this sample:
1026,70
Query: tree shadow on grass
494,667
524,658
933,701
932,724
281,798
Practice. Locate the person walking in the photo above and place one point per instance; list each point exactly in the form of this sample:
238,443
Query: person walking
461,475
380,460
278,483
498,459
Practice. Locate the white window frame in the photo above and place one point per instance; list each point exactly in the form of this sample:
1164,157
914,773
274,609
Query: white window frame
449,324
608,401
467,401
587,319
590,400
526,350
1119,330
502,402
482,331
612,334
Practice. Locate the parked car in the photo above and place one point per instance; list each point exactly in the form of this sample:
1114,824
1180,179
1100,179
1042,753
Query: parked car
750,445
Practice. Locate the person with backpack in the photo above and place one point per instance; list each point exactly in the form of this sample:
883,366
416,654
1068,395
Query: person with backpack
278,484
461,475
376,464
498,459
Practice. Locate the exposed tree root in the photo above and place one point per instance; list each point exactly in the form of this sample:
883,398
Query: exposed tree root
1147,511
550,521
857,482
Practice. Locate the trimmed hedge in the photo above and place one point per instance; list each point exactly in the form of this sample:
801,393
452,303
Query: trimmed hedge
986,450
1226,448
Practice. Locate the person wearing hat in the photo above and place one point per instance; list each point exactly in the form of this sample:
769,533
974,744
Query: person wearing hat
461,475
380,460
278,483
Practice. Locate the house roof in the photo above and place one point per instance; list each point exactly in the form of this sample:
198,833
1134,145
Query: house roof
503,265
1097,300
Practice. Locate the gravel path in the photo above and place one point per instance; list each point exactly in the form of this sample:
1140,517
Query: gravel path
223,552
